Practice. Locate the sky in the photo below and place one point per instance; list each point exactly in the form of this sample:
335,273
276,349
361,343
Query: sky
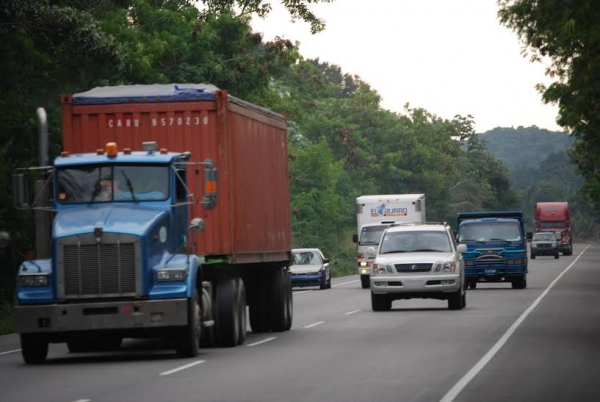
450,57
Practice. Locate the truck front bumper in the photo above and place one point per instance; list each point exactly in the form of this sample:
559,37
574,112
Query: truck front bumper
101,316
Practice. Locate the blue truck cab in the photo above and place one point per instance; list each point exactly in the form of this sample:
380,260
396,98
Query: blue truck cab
496,247
120,265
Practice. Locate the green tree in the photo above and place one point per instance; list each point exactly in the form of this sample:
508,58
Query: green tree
566,33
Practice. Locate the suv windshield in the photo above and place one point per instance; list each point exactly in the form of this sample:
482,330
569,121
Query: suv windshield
544,236
106,183
415,241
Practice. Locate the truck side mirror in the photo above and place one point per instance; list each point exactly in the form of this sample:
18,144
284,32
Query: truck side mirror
462,248
209,200
197,225
4,239
355,238
20,190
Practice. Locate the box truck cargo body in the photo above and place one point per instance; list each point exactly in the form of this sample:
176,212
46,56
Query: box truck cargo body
184,264
374,213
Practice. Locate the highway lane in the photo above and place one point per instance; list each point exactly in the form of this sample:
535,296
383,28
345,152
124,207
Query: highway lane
339,350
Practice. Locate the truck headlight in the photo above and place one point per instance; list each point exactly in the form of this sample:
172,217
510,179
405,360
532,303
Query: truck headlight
533,245
34,280
171,274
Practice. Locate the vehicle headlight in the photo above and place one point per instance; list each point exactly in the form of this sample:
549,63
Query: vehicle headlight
383,269
554,245
34,280
533,245
447,266
171,274
469,262
363,264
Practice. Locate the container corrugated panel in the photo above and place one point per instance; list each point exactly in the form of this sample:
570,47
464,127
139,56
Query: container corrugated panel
248,144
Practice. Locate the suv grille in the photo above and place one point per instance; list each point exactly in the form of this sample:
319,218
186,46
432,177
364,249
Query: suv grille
413,267
90,270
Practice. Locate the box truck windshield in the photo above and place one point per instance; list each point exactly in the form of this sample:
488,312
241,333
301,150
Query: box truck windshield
371,235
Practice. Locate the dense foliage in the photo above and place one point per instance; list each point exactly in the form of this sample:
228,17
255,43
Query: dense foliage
566,33
342,143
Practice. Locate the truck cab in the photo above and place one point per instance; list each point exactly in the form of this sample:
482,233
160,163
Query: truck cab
496,247
120,264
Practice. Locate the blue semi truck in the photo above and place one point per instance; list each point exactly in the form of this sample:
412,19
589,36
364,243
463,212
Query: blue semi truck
496,247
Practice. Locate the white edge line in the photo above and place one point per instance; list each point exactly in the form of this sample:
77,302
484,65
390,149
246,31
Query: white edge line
314,324
182,367
10,351
352,312
344,283
83,400
463,382
300,292
261,342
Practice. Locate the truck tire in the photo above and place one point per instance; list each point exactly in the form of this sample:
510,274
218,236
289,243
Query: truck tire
188,337
242,313
473,285
280,295
290,303
519,283
228,312
532,256
34,348
259,314
365,281
380,302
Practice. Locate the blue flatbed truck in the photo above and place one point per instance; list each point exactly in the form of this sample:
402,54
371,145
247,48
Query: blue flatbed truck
496,247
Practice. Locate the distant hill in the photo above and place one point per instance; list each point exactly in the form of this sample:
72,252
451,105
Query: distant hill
525,146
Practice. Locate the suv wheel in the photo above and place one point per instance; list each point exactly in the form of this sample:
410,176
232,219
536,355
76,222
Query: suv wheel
455,301
380,302
532,256
556,256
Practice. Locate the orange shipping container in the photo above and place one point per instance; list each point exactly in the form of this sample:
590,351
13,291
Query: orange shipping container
251,222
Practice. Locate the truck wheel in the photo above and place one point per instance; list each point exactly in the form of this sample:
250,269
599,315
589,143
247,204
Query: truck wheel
242,314
380,302
258,305
290,304
227,312
519,283
532,256
473,285
455,301
34,348
188,337
364,281
279,300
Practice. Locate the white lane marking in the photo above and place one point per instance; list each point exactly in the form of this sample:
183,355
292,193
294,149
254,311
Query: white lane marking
463,382
10,351
261,342
342,284
352,312
182,367
314,324
83,400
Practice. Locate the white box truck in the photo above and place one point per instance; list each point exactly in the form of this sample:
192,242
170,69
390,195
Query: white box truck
374,213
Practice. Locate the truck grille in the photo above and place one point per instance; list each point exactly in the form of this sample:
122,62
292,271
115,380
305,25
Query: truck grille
90,270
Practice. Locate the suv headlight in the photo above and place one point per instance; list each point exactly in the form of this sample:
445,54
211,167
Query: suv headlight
447,266
34,280
554,245
171,274
383,269
533,245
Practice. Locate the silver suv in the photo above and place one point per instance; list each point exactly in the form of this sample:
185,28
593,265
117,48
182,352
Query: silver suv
418,261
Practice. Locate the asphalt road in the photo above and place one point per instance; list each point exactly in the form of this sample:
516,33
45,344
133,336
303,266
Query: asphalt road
537,344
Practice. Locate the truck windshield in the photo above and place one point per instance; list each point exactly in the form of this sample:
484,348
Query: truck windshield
371,235
108,183
488,231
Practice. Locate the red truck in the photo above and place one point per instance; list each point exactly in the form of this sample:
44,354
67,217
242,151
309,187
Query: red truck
555,217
